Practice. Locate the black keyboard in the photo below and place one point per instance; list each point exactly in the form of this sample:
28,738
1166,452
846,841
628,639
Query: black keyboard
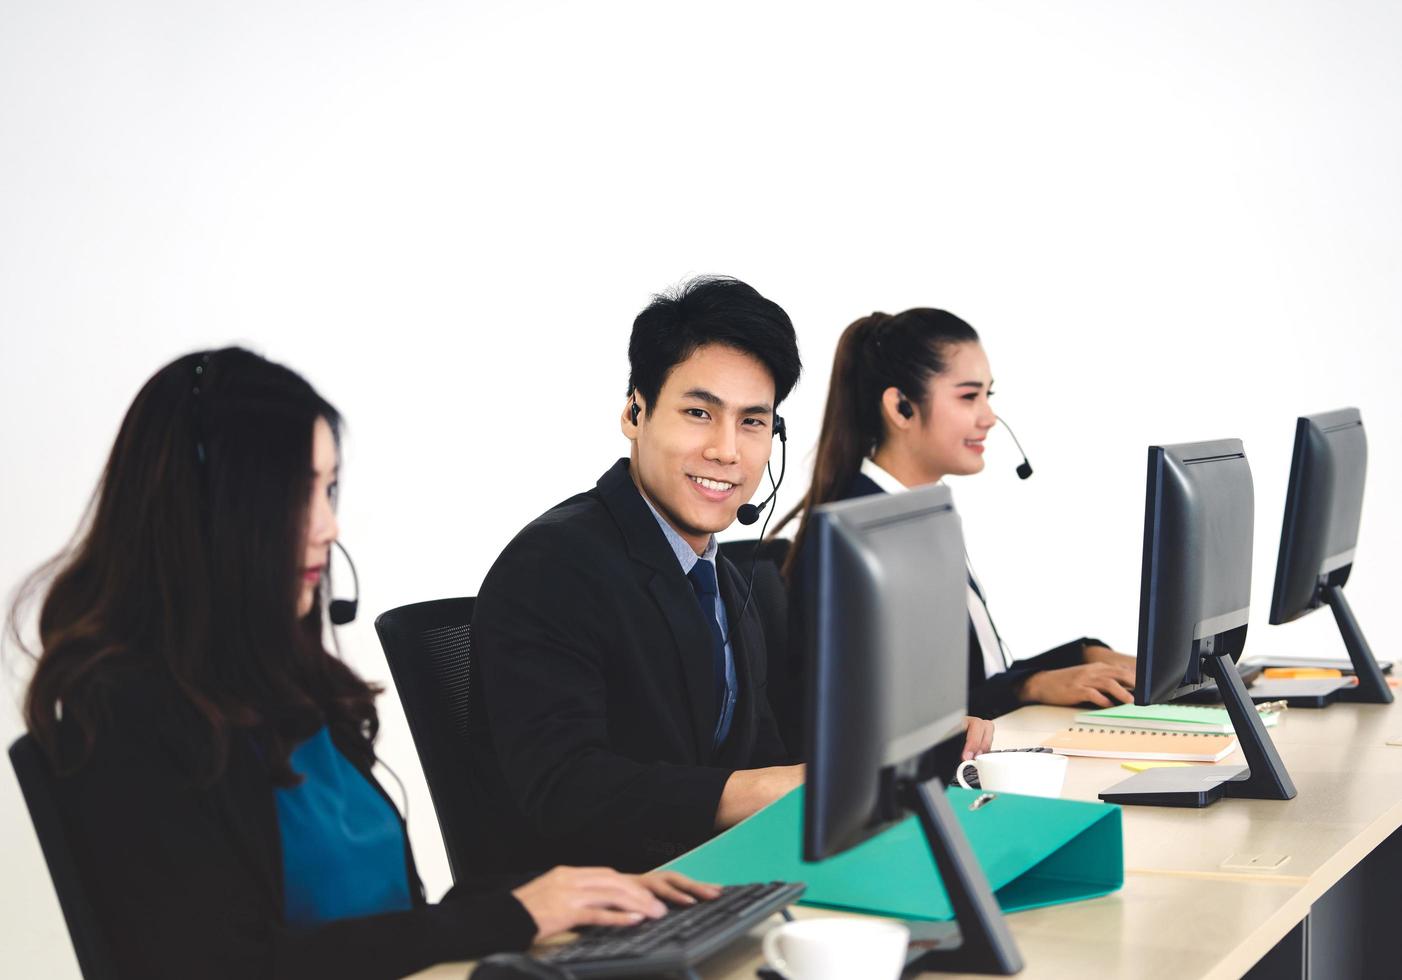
679,940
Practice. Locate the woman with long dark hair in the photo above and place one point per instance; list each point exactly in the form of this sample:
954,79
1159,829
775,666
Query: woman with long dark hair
213,759
908,404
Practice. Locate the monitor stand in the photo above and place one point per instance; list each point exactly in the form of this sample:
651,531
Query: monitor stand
1372,686
1264,777
986,945
1301,692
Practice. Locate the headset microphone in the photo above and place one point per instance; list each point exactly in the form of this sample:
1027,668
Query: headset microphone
749,513
343,610
1024,469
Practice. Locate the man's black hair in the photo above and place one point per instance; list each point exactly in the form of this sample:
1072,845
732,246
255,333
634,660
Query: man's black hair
710,310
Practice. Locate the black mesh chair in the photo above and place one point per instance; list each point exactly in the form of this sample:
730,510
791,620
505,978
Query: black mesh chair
786,685
36,782
429,649
770,596
741,553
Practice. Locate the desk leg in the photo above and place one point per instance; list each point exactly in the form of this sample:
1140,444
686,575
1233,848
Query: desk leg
1382,903
1349,933
1353,932
1289,959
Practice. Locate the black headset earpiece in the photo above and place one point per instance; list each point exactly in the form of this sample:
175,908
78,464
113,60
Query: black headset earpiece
633,412
201,367
903,406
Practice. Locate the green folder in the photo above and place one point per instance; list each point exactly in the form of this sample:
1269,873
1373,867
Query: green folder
1034,851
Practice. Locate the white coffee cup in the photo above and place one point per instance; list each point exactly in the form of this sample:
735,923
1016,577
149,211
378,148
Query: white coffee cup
837,949
1028,773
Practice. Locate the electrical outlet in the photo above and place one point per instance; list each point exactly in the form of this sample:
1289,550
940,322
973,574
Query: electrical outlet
1255,862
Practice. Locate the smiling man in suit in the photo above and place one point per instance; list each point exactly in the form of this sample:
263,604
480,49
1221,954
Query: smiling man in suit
626,719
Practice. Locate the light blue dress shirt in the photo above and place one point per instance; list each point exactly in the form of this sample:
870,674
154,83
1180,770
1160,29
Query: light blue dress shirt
687,558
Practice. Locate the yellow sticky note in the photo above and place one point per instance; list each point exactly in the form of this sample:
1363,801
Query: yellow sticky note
1141,765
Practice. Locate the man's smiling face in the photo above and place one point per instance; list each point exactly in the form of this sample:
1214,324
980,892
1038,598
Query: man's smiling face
699,452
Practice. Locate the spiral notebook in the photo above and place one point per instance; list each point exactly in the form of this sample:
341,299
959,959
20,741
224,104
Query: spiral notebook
1171,718
1128,743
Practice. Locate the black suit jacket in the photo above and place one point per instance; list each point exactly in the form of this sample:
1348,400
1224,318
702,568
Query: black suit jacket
595,675
186,878
989,697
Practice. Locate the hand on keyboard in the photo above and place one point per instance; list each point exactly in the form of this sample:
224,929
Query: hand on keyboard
566,898
677,890
684,936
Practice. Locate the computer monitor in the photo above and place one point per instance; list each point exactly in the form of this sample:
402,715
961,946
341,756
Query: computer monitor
1194,601
1323,505
887,654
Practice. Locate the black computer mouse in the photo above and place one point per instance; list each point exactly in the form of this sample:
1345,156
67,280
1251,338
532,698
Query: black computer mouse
515,966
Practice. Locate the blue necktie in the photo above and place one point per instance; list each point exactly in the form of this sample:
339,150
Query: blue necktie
703,581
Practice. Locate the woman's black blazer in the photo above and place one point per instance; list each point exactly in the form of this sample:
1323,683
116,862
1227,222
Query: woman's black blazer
186,879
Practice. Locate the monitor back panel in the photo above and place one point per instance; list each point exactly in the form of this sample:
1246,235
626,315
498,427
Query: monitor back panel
888,651
1196,578
1323,509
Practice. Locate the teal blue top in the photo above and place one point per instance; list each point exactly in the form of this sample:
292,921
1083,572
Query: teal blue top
343,850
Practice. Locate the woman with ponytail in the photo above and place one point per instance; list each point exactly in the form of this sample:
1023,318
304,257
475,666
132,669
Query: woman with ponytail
908,405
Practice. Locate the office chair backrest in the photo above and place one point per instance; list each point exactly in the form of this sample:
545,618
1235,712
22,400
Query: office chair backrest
429,649
786,684
741,553
770,597
36,782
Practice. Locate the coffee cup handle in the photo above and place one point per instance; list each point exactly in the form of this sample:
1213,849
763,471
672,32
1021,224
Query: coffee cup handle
772,939
959,774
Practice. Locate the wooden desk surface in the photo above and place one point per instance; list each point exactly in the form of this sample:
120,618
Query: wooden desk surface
1137,933
1356,725
1349,800
1181,913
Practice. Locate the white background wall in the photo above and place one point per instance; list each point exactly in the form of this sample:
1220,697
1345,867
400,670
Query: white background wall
1169,221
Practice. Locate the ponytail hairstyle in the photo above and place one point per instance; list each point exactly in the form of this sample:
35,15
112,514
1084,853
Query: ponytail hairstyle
187,568
877,352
